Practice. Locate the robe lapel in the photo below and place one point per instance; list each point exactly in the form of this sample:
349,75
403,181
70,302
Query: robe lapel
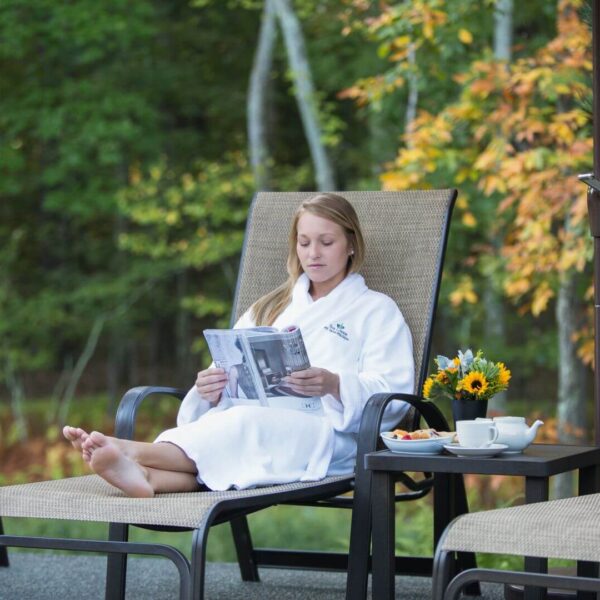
308,315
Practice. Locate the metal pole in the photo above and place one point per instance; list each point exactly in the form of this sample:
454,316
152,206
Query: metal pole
594,210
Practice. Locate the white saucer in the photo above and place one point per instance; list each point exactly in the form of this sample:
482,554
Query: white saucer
490,450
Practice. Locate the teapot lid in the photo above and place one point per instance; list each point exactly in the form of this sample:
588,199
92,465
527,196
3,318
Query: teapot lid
510,419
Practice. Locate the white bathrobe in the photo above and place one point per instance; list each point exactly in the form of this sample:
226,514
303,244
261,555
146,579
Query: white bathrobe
355,332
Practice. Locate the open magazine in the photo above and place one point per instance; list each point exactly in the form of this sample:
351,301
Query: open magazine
256,361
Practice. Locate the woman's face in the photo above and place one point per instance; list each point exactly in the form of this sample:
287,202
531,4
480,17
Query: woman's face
323,250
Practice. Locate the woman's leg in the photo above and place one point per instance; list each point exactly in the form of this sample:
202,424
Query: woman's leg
135,478
164,455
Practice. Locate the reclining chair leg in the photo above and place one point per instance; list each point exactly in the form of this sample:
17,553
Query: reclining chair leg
116,564
244,549
3,551
360,543
198,562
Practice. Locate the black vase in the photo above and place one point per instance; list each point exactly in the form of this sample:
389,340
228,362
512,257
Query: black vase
465,410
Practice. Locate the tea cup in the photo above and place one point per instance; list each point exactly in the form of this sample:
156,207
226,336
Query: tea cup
479,433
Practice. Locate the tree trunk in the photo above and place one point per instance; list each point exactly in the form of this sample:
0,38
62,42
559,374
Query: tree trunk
492,296
304,91
495,323
257,93
183,340
17,398
571,377
79,368
503,29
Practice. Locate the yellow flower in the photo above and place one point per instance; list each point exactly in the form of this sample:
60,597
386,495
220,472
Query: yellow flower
503,375
427,387
442,377
474,383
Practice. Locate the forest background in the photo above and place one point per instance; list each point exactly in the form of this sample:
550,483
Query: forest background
134,134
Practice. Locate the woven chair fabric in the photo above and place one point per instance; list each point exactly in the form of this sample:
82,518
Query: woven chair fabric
90,498
568,528
403,233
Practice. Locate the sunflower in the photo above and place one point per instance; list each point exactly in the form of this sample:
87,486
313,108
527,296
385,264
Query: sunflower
474,383
503,375
442,377
427,387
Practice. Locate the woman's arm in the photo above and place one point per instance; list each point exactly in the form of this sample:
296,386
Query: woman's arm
385,365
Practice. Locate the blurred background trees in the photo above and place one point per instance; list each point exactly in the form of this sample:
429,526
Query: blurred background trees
133,135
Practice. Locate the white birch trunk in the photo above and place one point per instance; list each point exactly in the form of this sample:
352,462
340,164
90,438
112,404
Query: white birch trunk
256,107
304,91
571,378
492,297
503,29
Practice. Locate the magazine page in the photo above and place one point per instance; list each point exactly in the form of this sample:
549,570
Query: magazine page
230,352
256,360
276,355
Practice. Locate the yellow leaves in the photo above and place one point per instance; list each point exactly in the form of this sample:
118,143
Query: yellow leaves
505,143
490,184
462,203
465,36
400,48
469,220
541,296
462,175
398,180
576,249
463,293
515,288
371,89
491,156
572,258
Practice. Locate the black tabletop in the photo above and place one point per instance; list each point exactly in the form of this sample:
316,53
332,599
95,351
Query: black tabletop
542,460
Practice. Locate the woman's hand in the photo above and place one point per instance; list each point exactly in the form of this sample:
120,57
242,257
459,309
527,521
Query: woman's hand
314,382
210,384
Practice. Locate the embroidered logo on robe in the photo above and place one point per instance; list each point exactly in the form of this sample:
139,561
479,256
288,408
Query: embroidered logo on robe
339,329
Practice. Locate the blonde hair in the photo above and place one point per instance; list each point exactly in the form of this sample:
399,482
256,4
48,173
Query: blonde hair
328,206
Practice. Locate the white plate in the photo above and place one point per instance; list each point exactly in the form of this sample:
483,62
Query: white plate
429,446
490,450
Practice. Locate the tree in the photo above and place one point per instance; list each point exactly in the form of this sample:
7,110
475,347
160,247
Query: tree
519,134
257,98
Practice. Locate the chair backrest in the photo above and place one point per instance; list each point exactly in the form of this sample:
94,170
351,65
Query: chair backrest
405,236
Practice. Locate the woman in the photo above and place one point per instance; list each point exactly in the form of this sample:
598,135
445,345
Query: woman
357,338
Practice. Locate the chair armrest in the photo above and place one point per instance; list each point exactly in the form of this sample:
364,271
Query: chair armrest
130,402
370,424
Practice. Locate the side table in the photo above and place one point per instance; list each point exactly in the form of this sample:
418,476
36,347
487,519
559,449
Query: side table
536,464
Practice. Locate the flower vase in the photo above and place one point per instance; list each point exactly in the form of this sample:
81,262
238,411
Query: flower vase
465,410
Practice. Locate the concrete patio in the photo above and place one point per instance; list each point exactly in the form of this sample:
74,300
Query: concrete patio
42,576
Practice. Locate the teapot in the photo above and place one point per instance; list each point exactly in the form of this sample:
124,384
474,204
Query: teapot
513,432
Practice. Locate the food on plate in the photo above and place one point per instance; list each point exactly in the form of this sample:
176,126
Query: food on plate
419,434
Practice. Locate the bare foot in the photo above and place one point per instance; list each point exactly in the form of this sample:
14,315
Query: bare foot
77,437
113,465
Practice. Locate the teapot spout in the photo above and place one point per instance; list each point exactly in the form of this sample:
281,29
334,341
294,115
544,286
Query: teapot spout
532,431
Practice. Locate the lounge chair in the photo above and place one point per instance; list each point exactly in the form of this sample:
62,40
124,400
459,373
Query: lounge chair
567,529
406,236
